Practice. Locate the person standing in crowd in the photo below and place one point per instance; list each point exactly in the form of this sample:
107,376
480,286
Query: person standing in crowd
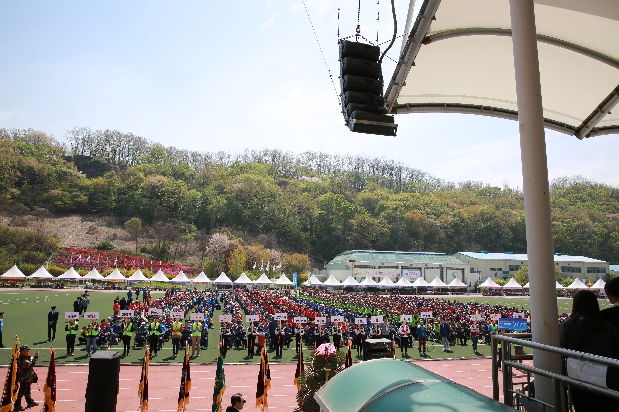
196,335
225,334
360,331
92,334
299,331
1,328
251,339
52,321
272,327
422,336
177,332
237,403
279,339
445,330
154,329
85,303
127,331
474,337
77,305
186,334
260,339
405,334
26,377
336,332
71,328
586,331
204,337
240,336
612,293
375,331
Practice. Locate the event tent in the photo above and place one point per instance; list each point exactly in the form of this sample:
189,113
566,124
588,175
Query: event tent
137,276
41,273
386,282
222,279
368,282
92,275
437,283
263,280
243,280
512,284
284,281
180,278
115,276
597,285
489,283
13,273
159,277
403,283
313,281
420,283
201,278
558,285
456,283
332,281
350,281
577,284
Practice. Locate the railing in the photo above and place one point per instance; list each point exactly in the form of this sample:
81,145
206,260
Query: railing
512,361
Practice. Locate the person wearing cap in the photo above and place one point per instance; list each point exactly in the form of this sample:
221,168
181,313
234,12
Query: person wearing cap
52,321
26,376
71,328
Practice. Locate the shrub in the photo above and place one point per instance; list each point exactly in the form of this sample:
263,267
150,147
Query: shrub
106,245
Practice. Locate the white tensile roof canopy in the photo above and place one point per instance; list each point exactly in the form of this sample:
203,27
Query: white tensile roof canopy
159,277
92,275
243,280
456,283
222,279
598,285
263,280
137,276
41,273
180,278
512,284
350,281
13,273
332,281
462,62
283,281
489,283
577,284
202,278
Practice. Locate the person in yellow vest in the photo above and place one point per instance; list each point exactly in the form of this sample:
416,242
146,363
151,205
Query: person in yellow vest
71,328
154,329
177,331
127,334
92,334
196,334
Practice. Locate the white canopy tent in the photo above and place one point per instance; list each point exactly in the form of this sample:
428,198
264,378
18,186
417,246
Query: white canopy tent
420,283
437,283
350,281
14,274
92,275
403,283
137,276
490,284
368,282
263,280
332,281
599,285
202,278
558,286
159,277
41,273
313,281
284,281
222,279
577,284
456,283
243,280
386,282
512,284
115,276
180,278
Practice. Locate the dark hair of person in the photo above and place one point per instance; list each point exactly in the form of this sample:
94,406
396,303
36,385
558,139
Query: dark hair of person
585,304
236,398
612,287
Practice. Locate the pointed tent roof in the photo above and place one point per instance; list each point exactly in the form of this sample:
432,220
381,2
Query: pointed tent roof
420,283
115,276
577,284
489,283
527,286
437,283
512,284
350,281
558,285
456,283
403,283
368,281
222,279
137,276
597,285
263,280
180,278
41,273
201,278
313,280
13,273
386,282
332,281
243,280
283,281
71,274
159,277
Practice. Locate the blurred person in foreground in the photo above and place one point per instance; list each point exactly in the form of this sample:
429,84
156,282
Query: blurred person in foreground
237,402
26,377
612,293
586,331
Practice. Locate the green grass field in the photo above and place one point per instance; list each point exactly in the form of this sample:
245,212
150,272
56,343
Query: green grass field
25,315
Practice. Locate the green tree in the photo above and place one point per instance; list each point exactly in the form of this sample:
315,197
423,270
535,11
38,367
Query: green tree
133,226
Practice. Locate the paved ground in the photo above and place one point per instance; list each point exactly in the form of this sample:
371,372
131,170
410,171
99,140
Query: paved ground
164,382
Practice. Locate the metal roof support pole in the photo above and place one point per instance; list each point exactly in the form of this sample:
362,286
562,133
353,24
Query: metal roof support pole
536,194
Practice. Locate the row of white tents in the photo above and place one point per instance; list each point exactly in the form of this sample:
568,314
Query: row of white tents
385,282
577,284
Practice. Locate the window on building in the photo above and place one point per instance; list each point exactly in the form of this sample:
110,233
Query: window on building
596,270
472,270
513,268
496,269
570,269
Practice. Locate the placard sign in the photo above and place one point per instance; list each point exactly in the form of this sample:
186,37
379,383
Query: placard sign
200,316
517,324
477,318
252,318
376,319
91,315
406,318
337,319
71,315
495,316
426,315
518,315
224,318
280,316
300,319
361,321
177,315
155,312
126,313
320,320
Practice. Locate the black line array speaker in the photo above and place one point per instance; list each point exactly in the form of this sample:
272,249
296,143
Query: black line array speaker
102,387
378,349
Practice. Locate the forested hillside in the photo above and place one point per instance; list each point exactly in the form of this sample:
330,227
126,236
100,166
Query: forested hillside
312,203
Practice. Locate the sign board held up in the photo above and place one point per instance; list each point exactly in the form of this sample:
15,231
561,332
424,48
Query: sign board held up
406,318
177,315
200,316
252,318
280,316
225,318
320,320
516,324
300,319
155,312
91,315
337,319
126,313
376,319
71,315
361,321
426,315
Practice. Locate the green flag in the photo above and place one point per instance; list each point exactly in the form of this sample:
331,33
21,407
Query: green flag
220,382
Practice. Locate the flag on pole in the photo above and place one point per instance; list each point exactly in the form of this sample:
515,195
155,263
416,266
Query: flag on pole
49,389
9,394
183,391
268,265
348,362
255,263
264,382
261,265
300,366
220,382
143,387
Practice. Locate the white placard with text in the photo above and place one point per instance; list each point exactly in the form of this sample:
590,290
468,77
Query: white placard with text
300,319
337,318
200,316
252,318
476,318
177,315
155,312
91,315
495,316
518,315
126,313
72,315
376,319
361,321
223,318
280,316
320,320
406,318
426,315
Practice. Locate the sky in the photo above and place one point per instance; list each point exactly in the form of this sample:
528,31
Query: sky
235,75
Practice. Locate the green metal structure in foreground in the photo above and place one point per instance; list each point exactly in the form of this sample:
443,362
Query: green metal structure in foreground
396,386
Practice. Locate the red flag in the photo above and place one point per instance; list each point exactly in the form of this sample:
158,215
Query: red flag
264,382
9,394
183,390
300,365
49,389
